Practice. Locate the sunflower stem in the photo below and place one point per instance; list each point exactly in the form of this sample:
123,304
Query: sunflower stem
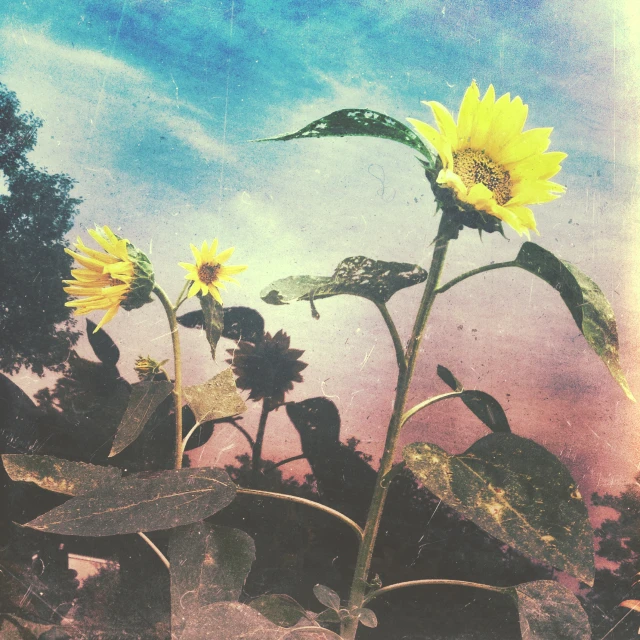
256,457
473,272
309,503
182,297
435,582
155,549
170,310
397,343
359,584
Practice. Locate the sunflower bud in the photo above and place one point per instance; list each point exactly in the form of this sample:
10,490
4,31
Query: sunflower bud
147,368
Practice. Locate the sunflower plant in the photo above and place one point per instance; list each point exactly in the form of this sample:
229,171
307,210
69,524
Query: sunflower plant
485,169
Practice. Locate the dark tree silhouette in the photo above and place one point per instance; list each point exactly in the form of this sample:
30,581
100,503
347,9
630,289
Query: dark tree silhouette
36,330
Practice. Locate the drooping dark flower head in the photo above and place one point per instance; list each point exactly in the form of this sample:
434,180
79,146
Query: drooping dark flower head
267,369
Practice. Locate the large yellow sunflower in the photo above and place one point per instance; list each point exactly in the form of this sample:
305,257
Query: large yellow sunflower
209,272
489,162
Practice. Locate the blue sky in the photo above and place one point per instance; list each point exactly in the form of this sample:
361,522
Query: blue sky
150,104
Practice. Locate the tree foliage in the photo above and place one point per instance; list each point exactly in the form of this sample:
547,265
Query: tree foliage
36,211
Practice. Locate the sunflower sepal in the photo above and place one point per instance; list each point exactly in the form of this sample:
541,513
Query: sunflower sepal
141,287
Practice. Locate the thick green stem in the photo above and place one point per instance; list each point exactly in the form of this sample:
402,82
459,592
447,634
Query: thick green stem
474,272
365,554
177,363
256,457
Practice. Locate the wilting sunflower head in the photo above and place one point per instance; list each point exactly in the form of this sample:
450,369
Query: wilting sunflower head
209,273
488,163
148,368
121,276
267,369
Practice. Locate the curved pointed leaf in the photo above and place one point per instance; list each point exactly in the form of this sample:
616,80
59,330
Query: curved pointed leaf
235,621
145,502
367,617
279,608
326,596
145,398
217,398
549,611
213,318
208,564
484,406
357,276
586,302
518,492
56,474
358,122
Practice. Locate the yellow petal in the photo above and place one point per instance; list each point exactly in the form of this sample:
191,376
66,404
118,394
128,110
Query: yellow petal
215,293
188,266
96,255
483,119
538,167
233,269
195,287
452,180
524,146
212,251
437,141
107,317
225,255
467,114
89,263
196,254
445,123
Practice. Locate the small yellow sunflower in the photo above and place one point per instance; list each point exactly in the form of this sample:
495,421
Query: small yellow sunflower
209,272
120,277
489,162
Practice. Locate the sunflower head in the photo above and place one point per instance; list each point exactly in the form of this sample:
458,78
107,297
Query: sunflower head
119,276
268,368
488,166
209,273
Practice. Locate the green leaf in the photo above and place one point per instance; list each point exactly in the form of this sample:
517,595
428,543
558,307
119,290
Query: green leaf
327,597
449,379
549,611
375,280
235,621
56,474
481,404
217,398
586,302
359,122
142,502
518,492
145,398
367,617
280,609
209,564
213,316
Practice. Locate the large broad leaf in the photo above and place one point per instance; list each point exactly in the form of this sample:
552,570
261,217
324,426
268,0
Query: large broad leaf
586,302
279,608
145,502
209,564
213,317
56,474
518,492
358,276
359,122
484,406
235,621
549,611
145,398
217,398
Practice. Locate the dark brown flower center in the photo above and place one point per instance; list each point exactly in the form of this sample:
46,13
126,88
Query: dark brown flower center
476,167
208,273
